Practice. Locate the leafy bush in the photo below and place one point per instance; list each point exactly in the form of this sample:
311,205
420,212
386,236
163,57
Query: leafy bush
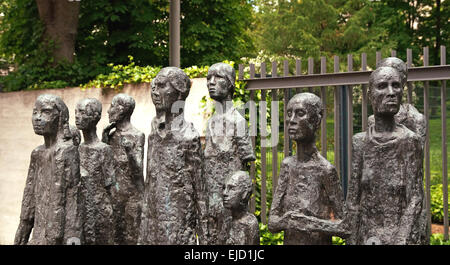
338,241
122,74
132,73
267,238
438,239
437,204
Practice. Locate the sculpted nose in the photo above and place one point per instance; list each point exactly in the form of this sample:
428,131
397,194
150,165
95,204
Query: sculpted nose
391,90
291,120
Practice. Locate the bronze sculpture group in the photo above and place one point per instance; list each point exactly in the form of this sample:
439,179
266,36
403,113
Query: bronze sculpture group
94,192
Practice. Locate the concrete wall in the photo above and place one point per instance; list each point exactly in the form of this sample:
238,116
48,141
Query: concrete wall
17,138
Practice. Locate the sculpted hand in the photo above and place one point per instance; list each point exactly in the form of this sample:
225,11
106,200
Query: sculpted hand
107,132
127,144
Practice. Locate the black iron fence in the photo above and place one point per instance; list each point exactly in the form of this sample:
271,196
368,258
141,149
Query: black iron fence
342,85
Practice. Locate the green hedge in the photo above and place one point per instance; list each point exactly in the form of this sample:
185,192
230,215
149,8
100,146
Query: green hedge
437,204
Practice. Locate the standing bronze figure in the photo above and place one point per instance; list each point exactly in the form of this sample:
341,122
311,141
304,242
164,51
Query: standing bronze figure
308,202
170,206
228,150
385,199
244,229
97,169
127,144
50,200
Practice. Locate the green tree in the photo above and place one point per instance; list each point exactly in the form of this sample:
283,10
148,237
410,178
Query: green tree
215,30
304,28
111,30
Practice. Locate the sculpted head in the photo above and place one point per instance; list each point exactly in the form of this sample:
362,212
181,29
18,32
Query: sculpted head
304,114
385,91
170,85
76,135
122,106
51,116
397,64
220,81
237,192
87,113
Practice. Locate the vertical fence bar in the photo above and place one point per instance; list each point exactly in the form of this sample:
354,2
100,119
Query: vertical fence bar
274,136
298,71
426,113
253,138
263,132
349,120
323,92
337,151
310,70
393,53
409,65
241,72
377,58
285,101
444,146
364,94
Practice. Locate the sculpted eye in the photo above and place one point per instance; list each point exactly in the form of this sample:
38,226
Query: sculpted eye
300,113
382,85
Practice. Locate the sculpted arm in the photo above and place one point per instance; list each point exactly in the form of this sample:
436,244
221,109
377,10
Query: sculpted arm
72,227
354,189
414,195
28,206
195,156
277,221
243,141
135,155
335,195
109,171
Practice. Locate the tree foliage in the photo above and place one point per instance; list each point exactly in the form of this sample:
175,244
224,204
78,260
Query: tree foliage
111,30
304,28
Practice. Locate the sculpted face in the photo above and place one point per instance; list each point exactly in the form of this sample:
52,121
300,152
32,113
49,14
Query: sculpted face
45,117
163,94
116,112
86,116
232,194
218,85
386,91
302,119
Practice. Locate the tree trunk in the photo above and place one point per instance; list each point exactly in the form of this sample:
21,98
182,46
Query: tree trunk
60,18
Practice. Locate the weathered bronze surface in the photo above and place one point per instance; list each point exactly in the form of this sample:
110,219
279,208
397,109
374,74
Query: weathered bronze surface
174,159
127,145
228,149
407,115
50,200
386,200
97,168
244,229
308,202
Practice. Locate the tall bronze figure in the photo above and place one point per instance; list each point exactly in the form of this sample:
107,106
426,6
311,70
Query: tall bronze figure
228,150
308,202
244,228
170,206
385,199
127,144
97,169
50,200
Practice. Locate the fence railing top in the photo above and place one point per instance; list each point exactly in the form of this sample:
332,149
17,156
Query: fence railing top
423,73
